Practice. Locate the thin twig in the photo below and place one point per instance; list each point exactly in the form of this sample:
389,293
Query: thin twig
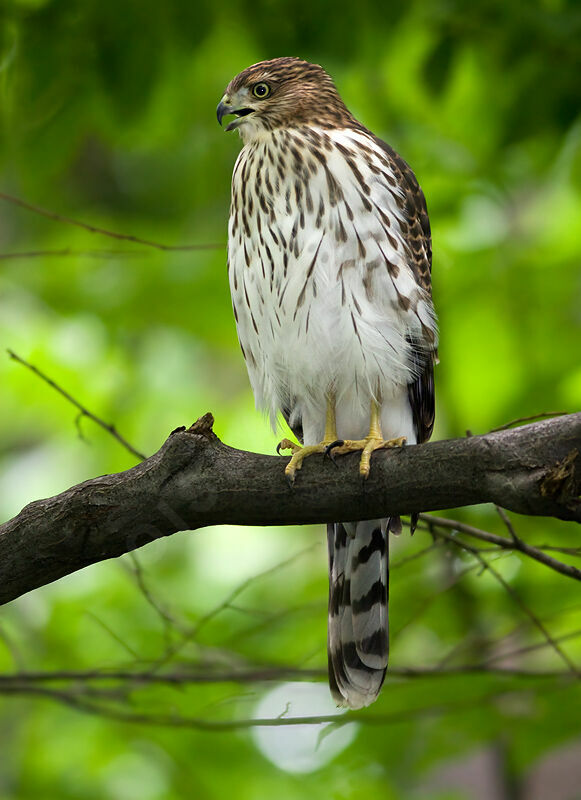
506,544
193,634
442,664
531,648
248,582
169,622
67,251
116,638
363,718
514,595
272,619
509,526
82,409
72,693
262,675
427,602
102,231
414,556
520,420
569,551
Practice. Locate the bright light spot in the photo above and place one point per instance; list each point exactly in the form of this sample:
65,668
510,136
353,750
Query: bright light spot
78,341
300,748
135,777
483,223
39,472
250,551
32,609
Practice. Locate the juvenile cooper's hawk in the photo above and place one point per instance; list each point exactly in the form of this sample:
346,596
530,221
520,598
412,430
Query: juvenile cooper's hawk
329,258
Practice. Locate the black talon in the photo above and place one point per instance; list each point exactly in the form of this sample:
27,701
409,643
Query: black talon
332,458
278,449
329,450
290,479
329,447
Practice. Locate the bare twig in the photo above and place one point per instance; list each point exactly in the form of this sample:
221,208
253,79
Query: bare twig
414,556
102,231
116,638
175,720
532,616
426,602
170,623
509,526
531,648
84,412
213,674
193,634
270,620
569,551
515,596
506,544
67,251
533,418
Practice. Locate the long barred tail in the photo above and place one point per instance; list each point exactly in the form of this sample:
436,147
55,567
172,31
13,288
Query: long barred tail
358,639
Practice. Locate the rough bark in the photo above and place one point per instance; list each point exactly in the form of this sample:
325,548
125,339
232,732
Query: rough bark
195,480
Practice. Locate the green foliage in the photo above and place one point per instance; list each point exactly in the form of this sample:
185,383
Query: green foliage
108,116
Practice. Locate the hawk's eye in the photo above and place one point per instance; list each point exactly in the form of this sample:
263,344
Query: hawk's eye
261,90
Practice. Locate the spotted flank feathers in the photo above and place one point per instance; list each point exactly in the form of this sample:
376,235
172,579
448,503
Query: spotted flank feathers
329,263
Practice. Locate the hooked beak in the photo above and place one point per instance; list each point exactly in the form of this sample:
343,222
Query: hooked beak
224,109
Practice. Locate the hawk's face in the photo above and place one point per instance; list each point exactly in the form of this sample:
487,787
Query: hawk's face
283,92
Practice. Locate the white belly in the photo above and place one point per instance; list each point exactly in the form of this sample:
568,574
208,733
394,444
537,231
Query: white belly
317,285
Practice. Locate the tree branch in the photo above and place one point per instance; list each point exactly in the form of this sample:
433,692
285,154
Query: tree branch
195,480
83,411
101,231
515,543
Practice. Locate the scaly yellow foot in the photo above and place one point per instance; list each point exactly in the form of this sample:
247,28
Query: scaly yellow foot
300,453
368,445
373,441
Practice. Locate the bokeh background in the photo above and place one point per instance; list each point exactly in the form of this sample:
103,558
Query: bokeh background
108,117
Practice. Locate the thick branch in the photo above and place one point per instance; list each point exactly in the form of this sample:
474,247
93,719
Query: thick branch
194,480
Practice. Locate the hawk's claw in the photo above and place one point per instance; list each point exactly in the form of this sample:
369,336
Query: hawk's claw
368,446
286,444
329,450
332,458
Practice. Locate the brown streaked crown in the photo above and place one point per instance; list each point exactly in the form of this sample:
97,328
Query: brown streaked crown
301,93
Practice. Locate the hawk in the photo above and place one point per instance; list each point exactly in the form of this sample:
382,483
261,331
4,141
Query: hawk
329,261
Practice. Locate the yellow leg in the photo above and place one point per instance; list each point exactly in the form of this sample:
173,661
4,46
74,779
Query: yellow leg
373,441
300,453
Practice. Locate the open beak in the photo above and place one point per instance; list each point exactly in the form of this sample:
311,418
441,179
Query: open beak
224,109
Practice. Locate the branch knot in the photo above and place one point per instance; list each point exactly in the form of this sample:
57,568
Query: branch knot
561,483
203,427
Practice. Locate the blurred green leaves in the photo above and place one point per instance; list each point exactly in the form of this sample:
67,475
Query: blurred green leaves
108,116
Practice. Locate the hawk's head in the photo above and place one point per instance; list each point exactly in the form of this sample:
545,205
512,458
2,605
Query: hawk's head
282,93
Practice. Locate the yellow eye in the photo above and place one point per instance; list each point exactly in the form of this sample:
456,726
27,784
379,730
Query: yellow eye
261,90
